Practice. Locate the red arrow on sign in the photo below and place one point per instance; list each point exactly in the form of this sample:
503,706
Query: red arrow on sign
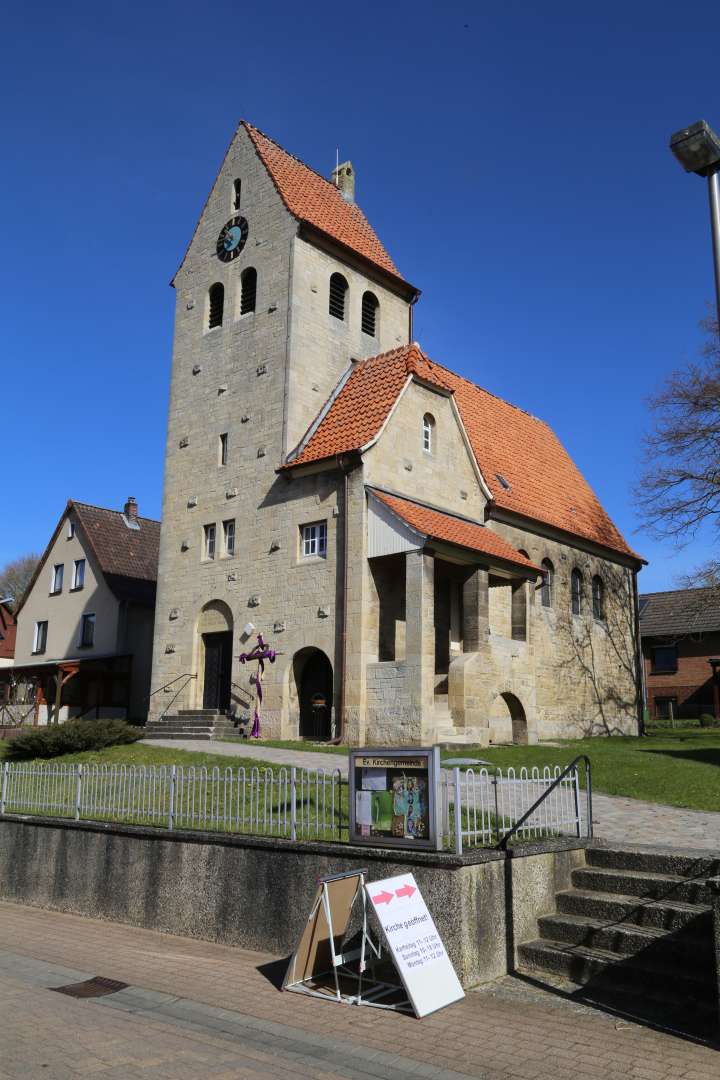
407,890
383,898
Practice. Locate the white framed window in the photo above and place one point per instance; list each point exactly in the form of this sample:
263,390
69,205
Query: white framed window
40,639
87,631
229,536
314,540
78,578
223,448
209,548
428,432
70,530
56,581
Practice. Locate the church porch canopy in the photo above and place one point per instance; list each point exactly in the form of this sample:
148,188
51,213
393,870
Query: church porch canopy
398,524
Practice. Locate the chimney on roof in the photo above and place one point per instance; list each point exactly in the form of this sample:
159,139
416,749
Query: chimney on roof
130,509
343,177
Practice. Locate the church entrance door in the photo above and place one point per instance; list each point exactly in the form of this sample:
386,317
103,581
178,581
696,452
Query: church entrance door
316,696
218,665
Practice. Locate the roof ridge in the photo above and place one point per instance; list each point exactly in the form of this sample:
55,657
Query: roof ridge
110,510
249,127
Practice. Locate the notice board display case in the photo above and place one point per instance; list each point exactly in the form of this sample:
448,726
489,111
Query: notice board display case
393,797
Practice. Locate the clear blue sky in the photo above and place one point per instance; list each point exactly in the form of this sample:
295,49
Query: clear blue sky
513,158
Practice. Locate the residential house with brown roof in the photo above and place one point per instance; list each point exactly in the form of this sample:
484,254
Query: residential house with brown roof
85,624
680,632
426,560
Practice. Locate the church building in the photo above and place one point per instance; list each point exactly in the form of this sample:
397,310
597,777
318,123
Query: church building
425,559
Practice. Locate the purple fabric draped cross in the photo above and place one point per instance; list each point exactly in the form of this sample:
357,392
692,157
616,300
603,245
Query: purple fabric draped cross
261,652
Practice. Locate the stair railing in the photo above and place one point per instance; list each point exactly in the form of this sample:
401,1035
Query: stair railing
166,686
502,845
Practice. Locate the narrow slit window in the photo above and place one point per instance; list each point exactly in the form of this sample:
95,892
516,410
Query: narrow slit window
248,290
229,536
209,541
87,632
216,305
576,592
237,191
369,314
428,433
546,591
338,294
223,449
598,598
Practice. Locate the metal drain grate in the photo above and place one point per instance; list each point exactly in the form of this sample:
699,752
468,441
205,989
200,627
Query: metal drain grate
90,988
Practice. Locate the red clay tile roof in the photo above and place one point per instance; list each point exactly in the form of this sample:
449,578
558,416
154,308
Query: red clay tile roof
310,197
453,530
544,483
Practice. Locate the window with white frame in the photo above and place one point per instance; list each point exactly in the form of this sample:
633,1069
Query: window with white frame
87,631
209,547
314,540
428,430
40,639
56,581
78,578
229,536
70,530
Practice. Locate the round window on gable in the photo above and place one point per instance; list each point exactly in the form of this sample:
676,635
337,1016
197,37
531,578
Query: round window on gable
428,433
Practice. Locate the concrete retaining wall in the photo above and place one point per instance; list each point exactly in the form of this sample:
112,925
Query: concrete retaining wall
257,893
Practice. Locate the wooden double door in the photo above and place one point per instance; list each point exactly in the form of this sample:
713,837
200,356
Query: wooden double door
218,666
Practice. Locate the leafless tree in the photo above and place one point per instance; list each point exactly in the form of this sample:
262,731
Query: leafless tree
679,490
15,576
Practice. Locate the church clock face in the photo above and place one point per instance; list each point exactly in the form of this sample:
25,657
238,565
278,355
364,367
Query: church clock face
232,239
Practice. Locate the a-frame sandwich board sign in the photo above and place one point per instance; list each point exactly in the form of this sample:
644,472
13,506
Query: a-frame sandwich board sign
322,966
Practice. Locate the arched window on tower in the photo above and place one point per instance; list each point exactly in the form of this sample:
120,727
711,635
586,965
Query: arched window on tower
369,315
216,304
598,598
338,294
248,290
428,433
546,589
237,190
576,592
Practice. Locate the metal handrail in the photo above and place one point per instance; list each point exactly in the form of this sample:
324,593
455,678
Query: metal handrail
185,675
588,789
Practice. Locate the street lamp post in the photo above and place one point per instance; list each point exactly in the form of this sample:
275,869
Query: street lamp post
697,148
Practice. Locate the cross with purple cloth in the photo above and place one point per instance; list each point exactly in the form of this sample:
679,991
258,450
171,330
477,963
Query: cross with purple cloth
260,652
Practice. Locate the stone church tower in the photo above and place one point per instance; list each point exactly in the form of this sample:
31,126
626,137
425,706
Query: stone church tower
283,285
425,559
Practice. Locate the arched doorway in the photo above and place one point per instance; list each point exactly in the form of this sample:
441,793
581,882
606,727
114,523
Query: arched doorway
314,681
215,635
517,718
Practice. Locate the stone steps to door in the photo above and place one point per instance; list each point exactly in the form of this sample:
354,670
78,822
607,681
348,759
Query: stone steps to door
634,933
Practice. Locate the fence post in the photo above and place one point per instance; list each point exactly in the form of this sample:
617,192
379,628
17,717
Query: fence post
293,803
497,807
78,792
588,786
3,794
171,808
457,798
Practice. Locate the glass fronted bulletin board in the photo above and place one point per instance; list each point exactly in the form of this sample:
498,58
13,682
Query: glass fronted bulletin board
393,797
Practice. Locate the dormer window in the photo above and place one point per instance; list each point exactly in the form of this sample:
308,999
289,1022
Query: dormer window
338,293
237,188
428,432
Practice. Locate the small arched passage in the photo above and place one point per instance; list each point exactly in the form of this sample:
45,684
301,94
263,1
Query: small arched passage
215,637
508,719
313,675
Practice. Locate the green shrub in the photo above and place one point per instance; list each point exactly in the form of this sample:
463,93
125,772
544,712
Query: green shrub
71,738
707,720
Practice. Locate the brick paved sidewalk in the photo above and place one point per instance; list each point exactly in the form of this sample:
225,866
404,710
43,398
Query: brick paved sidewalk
197,1009
615,818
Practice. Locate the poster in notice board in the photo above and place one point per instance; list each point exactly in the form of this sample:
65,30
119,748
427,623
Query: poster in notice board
393,797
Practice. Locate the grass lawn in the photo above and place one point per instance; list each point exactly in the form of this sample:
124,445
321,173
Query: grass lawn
142,754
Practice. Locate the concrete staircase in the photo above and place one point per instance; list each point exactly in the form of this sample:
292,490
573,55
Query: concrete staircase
447,734
635,934
191,724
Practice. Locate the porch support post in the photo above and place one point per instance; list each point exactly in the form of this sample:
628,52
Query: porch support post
475,611
420,635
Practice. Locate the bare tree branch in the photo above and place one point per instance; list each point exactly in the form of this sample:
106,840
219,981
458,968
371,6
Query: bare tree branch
15,576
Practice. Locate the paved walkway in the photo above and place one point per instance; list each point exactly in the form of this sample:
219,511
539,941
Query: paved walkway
197,1009
617,819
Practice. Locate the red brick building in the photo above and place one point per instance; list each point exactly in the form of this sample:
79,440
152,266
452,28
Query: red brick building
680,633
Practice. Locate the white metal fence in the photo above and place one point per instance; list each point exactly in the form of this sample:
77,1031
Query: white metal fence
291,802
479,806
